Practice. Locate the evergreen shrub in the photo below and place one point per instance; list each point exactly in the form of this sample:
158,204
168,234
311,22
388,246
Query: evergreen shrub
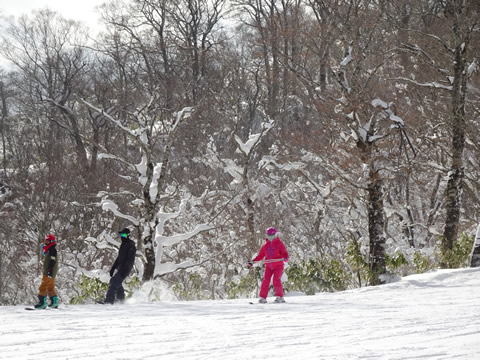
317,275
459,255
93,289
246,285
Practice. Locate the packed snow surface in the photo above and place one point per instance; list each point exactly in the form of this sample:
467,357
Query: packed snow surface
429,316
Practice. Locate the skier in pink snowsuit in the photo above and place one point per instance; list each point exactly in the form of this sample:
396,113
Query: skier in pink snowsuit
274,253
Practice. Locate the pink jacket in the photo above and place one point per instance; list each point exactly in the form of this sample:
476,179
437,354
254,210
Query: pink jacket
272,251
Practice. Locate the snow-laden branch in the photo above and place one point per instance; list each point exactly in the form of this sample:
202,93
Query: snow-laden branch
361,132
185,113
233,169
110,193
342,175
289,166
111,206
253,140
171,267
432,84
434,37
157,170
116,122
246,147
387,110
62,107
175,239
106,243
300,167
164,217
116,158
163,241
472,68
154,182
323,190
142,170
437,167
165,268
347,58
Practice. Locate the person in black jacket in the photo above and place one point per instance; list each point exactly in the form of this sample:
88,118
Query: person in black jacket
121,268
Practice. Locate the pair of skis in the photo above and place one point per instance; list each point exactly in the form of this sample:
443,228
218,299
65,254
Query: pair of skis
266,261
273,302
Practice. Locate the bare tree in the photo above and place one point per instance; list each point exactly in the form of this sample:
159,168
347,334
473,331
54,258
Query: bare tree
48,49
447,58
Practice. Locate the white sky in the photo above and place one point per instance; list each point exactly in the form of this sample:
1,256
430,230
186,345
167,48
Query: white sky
81,10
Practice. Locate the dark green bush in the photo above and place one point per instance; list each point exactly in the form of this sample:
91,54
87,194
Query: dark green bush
459,255
89,288
317,275
247,284
92,289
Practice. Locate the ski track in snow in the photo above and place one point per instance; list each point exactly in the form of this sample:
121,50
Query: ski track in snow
429,316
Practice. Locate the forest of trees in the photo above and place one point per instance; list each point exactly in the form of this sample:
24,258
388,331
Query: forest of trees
352,126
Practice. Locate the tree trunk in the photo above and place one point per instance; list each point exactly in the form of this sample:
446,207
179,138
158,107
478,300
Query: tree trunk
3,117
250,208
476,250
252,241
148,245
409,225
456,173
376,223
150,258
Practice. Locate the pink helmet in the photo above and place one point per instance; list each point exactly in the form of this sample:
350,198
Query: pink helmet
271,231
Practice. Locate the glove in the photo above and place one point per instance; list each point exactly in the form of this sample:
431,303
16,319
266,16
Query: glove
49,273
250,264
112,270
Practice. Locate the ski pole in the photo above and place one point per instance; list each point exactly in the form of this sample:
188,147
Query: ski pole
268,261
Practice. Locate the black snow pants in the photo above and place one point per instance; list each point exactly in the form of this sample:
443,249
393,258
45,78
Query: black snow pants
115,290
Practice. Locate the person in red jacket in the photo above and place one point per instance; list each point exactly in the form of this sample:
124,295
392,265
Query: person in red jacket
274,253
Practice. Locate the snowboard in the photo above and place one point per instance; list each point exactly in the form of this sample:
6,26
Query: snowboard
101,302
47,308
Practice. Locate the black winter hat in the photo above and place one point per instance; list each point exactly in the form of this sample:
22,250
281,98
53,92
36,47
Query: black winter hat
125,231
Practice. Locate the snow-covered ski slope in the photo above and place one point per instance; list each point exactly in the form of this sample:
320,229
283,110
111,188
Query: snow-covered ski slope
428,316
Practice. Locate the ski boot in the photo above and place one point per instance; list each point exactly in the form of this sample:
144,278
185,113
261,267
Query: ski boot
42,302
54,303
262,301
279,299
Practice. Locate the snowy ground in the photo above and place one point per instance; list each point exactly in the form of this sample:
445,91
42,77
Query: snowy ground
431,316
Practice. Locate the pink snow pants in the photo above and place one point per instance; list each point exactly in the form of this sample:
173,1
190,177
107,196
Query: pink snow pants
277,282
